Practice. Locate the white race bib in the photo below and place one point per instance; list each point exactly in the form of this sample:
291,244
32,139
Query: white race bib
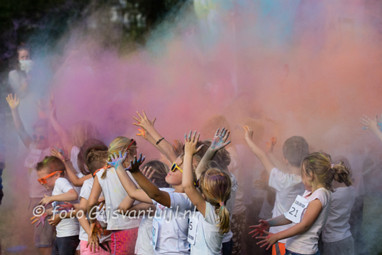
155,233
296,210
192,228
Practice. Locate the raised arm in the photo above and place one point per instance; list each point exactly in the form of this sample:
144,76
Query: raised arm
14,103
93,199
62,133
149,188
374,125
260,154
187,177
157,139
71,172
218,142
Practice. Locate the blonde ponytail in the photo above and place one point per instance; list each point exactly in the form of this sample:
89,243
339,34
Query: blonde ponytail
224,224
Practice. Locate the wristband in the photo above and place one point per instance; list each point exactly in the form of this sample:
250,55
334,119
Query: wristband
160,140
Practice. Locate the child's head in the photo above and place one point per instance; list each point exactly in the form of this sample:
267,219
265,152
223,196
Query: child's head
49,170
216,189
174,176
159,176
41,134
122,144
92,156
295,149
82,131
317,168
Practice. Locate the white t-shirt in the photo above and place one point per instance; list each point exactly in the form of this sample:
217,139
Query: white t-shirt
85,193
36,190
208,240
172,224
337,226
287,187
145,235
307,243
114,193
66,227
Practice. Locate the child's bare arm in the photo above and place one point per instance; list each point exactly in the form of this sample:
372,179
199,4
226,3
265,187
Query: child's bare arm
187,177
14,103
68,196
310,216
260,154
218,142
157,139
62,133
71,172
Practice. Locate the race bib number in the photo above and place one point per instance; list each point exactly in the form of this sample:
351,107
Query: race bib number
155,232
297,209
192,227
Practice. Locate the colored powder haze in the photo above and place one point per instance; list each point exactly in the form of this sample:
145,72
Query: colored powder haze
309,68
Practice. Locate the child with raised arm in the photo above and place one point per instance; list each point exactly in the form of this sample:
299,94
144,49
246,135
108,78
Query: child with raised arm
211,221
50,172
173,208
308,212
287,184
38,147
124,229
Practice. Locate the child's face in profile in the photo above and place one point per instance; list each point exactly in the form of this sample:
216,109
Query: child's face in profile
50,181
175,178
306,180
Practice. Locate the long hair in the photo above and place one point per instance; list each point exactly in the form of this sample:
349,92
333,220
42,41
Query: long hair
216,187
319,164
123,144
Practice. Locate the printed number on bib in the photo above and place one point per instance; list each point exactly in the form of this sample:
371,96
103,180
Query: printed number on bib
155,233
192,227
297,209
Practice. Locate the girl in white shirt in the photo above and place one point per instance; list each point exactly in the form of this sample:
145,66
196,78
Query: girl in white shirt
124,229
309,212
208,225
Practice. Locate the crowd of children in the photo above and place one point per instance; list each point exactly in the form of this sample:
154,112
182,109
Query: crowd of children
101,199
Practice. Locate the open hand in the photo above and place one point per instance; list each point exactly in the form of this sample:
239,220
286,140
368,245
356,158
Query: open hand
59,153
143,122
259,230
39,219
148,171
374,124
117,159
136,163
220,139
191,139
13,101
268,240
248,132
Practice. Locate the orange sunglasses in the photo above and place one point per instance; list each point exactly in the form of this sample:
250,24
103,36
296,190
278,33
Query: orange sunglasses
43,179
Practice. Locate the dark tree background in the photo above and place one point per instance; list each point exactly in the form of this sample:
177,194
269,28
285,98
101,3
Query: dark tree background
42,22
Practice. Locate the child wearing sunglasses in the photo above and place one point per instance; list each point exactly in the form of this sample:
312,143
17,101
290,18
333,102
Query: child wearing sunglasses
50,172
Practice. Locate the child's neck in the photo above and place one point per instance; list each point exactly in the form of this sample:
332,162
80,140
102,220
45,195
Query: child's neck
178,188
316,186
